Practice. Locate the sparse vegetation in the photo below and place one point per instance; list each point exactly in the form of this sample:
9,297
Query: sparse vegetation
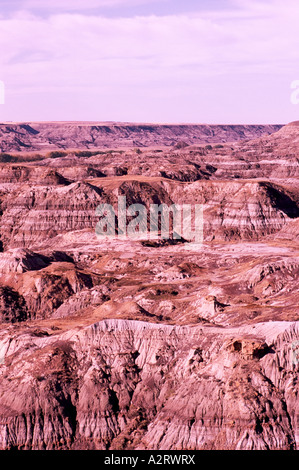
9,158
56,154
123,344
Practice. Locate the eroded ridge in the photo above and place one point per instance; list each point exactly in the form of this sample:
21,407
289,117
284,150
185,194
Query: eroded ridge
123,343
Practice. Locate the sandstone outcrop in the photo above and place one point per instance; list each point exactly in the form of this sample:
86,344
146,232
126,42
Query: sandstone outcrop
115,343
72,135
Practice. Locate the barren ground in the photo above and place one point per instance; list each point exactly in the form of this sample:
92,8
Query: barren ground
149,344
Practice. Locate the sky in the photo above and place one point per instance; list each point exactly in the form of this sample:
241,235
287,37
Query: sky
162,61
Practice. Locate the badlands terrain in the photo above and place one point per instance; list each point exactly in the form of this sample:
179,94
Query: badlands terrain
149,344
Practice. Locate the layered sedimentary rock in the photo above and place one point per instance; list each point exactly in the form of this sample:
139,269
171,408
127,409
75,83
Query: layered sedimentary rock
134,385
238,210
120,343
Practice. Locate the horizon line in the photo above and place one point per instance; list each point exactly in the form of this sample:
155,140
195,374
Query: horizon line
144,123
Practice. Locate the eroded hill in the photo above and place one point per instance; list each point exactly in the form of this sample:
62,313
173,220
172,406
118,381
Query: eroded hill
76,135
151,344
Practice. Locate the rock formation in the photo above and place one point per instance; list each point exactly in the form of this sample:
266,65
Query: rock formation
116,343
76,135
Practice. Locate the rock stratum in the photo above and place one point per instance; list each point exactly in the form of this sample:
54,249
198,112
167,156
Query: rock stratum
42,136
115,343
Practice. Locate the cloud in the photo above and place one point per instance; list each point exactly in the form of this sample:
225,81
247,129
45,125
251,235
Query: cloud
218,40
158,55
73,5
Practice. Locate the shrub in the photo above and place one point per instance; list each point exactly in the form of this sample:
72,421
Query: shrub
6,158
56,154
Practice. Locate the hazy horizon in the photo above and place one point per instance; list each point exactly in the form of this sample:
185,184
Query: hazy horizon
149,61
144,123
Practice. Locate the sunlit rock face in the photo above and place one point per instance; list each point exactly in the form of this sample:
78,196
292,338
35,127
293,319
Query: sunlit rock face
121,343
83,135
